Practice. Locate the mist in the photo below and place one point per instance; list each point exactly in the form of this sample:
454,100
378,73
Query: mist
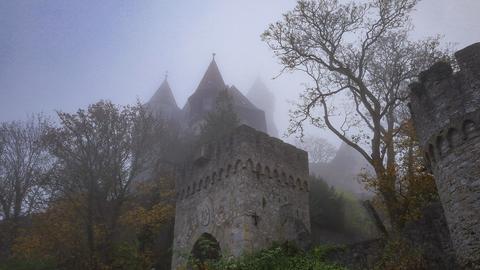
64,55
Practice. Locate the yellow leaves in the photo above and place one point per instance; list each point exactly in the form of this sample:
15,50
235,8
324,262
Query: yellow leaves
27,246
139,217
51,233
398,254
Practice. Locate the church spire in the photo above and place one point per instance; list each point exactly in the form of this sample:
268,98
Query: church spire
164,94
163,101
212,81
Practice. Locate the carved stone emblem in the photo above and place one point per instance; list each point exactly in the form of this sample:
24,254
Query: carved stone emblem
204,213
220,215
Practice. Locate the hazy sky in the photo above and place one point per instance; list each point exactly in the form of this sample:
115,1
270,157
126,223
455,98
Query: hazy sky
65,55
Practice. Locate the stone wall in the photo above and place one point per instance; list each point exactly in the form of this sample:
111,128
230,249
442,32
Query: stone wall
445,108
247,191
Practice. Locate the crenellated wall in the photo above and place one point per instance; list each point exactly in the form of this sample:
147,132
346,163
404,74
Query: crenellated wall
445,107
247,191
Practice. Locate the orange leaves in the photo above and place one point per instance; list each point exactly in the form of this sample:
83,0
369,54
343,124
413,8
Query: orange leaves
54,233
140,217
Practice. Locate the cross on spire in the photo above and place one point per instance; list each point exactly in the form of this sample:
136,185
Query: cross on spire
166,75
213,56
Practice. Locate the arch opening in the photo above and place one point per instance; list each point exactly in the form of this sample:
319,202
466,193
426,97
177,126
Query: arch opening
205,249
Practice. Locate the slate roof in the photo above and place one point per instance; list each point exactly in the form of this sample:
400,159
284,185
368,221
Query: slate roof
163,102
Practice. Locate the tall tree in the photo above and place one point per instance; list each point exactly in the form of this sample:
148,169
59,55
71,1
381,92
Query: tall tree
100,151
24,165
359,60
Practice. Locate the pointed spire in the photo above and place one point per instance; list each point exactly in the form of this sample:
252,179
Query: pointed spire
212,81
163,99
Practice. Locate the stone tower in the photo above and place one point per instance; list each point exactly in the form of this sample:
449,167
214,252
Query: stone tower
243,192
445,108
263,98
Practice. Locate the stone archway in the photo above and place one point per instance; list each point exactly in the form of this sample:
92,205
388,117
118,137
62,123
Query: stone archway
205,249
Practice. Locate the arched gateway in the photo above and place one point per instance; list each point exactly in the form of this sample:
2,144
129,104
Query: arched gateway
206,248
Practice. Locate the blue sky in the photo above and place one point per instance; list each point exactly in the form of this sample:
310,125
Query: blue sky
63,55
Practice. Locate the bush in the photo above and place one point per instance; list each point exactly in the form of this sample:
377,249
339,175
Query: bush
327,206
127,256
27,264
338,211
398,254
278,257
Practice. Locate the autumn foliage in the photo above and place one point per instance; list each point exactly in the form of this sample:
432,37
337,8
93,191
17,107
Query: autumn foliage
105,193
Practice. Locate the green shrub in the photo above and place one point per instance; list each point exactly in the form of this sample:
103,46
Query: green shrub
27,264
278,257
126,256
399,254
358,221
327,206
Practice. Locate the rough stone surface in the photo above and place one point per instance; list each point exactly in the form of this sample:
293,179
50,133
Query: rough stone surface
430,234
445,108
247,191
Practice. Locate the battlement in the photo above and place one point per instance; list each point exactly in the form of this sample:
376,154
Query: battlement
245,149
469,58
445,100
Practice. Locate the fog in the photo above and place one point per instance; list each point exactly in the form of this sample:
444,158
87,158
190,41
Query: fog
64,55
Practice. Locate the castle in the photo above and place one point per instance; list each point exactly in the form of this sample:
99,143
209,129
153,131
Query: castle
202,101
243,192
445,108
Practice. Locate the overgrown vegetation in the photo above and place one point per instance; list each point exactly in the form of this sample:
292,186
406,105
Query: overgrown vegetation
90,192
337,211
399,254
278,257
327,206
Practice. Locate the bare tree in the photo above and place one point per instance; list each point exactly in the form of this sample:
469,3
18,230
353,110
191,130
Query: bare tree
319,150
359,60
100,152
24,165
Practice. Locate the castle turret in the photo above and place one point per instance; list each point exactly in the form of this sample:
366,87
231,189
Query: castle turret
445,107
163,103
202,101
265,100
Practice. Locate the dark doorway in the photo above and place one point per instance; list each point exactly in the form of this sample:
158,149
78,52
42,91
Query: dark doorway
205,249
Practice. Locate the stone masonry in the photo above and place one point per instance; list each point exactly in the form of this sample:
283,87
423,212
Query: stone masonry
246,191
445,107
